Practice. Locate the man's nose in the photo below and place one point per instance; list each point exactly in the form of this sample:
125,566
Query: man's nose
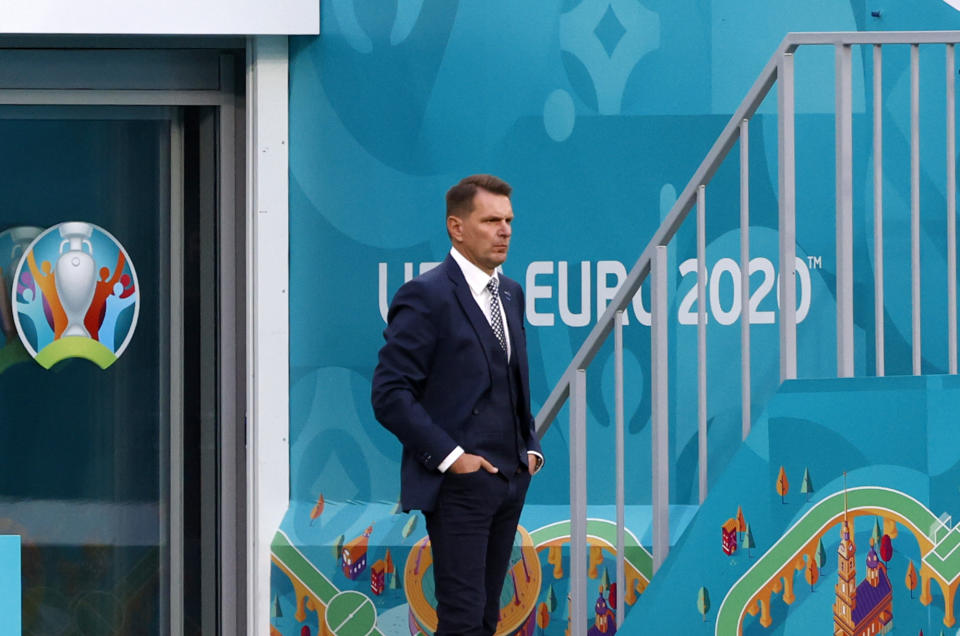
505,229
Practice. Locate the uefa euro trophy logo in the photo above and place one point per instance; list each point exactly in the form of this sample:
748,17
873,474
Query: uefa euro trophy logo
76,296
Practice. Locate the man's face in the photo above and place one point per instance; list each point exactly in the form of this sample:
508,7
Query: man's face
484,235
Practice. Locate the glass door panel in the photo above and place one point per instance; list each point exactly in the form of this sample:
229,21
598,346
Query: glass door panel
84,450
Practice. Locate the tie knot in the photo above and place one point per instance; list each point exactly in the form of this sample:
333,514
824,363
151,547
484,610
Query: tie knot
493,285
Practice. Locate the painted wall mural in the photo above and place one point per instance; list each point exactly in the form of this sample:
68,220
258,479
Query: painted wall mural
598,112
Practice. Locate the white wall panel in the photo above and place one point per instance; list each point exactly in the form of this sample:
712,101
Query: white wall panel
198,17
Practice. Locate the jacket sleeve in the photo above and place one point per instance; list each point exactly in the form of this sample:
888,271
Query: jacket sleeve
533,441
402,373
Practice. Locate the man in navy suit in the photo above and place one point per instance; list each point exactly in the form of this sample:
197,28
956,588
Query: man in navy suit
452,385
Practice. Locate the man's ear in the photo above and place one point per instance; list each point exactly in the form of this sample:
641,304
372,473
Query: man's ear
455,227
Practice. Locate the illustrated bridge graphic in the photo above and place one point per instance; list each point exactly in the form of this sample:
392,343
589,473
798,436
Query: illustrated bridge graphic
601,532
774,570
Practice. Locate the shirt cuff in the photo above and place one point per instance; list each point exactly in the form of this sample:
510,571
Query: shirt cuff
452,457
540,460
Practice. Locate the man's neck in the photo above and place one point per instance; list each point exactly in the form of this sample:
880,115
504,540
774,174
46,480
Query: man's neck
488,272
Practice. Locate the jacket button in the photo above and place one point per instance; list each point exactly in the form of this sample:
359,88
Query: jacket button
476,411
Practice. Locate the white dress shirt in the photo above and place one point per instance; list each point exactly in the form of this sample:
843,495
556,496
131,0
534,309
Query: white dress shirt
477,281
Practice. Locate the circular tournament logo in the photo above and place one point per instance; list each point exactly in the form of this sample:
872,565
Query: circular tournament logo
75,295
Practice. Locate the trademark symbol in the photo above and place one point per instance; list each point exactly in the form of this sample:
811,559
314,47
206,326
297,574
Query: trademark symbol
815,262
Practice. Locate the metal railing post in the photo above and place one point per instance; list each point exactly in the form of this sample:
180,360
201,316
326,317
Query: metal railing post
618,418
844,165
702,340
787,218
951,210
659,396
915,205
745,278
878,321
578,502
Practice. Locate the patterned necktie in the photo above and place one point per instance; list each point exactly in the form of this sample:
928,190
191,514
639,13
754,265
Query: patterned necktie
496,322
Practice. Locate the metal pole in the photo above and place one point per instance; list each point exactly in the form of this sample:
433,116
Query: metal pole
578,502
951,210
618,410
702,339
745,278
844,163
175,531
787,216
659,396
878,321
915,203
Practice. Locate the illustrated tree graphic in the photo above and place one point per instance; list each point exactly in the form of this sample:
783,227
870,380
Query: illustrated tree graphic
605,581
317,509
741,523
338,548
275,611
703,602
748,541
812,574
409,526
886,549
911,578
875,534
551,599
806,484
783,484
543,617
821,556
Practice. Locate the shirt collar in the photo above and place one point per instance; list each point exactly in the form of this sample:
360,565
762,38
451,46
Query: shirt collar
476,278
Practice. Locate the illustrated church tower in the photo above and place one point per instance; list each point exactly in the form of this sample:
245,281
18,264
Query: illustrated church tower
846,590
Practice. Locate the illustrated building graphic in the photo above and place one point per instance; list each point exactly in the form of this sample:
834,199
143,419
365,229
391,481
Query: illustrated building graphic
867,608
377,571
355,555
604,621
729,531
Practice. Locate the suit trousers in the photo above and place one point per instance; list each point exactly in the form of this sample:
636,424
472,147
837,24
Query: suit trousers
472,530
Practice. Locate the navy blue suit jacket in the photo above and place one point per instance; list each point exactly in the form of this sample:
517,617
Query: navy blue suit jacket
434,373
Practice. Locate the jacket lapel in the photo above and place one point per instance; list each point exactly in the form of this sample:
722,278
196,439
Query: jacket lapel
465,297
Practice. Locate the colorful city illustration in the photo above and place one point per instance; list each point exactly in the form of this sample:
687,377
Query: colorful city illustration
357,598
853,534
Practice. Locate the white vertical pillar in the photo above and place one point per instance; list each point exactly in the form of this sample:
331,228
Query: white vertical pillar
268,366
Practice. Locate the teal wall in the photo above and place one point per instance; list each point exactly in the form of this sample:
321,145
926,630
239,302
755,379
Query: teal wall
597,112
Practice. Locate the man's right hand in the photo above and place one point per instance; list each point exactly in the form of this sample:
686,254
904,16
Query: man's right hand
468,463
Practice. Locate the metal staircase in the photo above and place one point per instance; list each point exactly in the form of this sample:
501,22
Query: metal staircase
651,268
